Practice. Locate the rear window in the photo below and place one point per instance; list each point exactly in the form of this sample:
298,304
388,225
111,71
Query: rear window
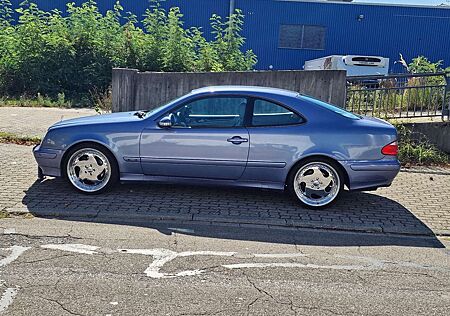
333,108
266,113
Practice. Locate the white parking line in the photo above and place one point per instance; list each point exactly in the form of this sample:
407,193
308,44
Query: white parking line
293,265
79,248
7,298
163,256
9,294
16,251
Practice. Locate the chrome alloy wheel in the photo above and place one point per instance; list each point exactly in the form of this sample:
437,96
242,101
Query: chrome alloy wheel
317,184
89,170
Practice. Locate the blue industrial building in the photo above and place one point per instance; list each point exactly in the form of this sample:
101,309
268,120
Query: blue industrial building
286,33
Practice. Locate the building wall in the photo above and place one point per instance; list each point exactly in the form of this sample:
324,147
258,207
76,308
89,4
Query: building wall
384,30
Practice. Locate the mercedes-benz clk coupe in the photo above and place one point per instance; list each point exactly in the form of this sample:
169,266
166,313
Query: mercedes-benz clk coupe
227,135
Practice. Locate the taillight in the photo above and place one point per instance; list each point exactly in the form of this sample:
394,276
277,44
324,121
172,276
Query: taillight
390,149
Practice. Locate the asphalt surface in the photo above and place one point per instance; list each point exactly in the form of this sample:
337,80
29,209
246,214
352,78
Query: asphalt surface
61,267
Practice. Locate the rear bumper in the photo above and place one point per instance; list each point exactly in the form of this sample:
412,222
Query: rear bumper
371,174
48,160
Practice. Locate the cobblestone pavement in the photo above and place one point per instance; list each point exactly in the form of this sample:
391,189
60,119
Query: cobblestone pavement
416,203
37,119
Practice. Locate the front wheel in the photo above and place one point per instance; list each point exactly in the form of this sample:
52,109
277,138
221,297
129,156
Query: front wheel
316,183
91,169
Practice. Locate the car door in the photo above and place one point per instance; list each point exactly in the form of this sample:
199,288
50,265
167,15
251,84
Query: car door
206,139
277,136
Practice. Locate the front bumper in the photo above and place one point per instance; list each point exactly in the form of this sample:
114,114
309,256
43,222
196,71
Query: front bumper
48,160
371,174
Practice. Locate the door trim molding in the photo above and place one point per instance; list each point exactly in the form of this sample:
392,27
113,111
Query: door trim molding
184,161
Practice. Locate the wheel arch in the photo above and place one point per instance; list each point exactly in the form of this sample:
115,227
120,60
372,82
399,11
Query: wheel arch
324,157
85,142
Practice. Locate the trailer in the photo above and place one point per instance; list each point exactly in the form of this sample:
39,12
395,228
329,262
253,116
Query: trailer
355,65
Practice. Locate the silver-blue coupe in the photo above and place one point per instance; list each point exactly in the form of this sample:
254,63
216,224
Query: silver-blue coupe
227,135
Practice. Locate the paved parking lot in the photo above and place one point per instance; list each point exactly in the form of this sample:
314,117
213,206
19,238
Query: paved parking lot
27,121
417,203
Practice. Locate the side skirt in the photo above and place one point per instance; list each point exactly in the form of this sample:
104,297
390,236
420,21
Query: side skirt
131,177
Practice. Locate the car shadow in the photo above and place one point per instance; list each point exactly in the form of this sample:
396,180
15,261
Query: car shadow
357,219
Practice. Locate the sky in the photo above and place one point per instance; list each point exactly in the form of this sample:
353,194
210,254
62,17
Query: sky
415,2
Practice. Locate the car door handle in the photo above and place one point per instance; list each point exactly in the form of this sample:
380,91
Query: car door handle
237,140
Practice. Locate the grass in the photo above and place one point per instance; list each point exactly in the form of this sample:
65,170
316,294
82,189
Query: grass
100,101
10,138
43,101
418,150
421,154
31,103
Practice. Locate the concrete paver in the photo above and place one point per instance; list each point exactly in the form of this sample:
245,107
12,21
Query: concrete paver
29,121
417,202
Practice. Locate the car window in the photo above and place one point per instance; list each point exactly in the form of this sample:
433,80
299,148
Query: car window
266,113
333,108
211,112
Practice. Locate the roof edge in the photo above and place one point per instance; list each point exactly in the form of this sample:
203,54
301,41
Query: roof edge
372,4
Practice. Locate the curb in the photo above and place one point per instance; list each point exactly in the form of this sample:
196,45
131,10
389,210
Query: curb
118,218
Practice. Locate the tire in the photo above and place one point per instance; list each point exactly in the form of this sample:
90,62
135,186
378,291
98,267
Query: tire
90,168
316,182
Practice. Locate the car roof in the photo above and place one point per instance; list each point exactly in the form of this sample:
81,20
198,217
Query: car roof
246,89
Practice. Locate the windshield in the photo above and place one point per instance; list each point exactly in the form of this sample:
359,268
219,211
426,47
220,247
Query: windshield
164,106
333,108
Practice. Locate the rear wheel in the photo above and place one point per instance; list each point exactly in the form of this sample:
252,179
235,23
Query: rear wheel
91,169
316,183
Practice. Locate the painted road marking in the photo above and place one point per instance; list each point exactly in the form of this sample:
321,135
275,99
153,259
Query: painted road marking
163,256
293,265
16,251
79,248
7,298
9,294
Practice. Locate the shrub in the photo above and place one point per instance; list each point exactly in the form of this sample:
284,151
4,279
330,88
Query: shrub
416,94
415,148
70,56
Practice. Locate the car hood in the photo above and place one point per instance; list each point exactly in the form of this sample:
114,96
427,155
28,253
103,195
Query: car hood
120,117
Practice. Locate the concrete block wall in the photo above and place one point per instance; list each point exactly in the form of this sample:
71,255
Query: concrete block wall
134,90
438,133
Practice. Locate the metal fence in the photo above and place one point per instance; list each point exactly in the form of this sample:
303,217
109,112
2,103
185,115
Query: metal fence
399,96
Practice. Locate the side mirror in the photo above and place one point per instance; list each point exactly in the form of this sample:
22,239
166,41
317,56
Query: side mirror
165,122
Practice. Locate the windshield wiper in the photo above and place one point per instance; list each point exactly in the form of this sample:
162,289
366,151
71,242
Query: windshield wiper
140,114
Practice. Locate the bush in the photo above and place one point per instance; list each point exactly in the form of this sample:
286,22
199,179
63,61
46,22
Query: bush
416,148
415,94
67,57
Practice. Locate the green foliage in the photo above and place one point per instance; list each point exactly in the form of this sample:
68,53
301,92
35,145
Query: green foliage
418,93
37,101
421,64
10,138
416,149
4,214
70,56
228,42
